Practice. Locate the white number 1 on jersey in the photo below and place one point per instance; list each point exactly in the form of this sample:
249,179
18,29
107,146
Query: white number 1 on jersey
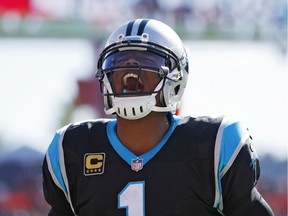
132,198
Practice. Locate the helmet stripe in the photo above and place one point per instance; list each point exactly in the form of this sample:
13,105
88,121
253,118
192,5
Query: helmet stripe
129,27
142,26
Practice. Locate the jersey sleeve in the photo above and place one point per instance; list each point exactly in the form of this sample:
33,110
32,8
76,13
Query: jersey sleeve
237,171
55,183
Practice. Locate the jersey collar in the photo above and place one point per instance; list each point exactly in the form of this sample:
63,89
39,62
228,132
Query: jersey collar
129,156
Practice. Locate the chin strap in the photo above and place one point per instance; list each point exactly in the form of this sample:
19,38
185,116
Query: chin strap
164,109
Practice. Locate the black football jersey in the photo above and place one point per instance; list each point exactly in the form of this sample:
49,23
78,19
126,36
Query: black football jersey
202,166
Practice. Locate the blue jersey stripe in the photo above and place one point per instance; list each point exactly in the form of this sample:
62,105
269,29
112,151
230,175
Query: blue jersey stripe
230,139
56,164
232,135
53,154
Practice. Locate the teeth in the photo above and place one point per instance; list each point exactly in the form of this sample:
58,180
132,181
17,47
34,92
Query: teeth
130,75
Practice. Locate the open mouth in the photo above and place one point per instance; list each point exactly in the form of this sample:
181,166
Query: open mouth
132,83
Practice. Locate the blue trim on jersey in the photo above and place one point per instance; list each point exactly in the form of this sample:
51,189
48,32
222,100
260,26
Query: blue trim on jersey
126,154
53,152
231,139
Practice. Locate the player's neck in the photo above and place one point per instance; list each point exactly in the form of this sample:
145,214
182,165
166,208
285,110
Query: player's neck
143,134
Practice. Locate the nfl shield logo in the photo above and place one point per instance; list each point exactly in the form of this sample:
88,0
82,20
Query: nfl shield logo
137,164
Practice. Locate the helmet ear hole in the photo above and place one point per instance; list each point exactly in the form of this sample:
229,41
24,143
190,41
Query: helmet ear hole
176,89
107,100
161,98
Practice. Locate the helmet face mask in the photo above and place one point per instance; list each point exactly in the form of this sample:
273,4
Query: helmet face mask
135,81
133,72
135,66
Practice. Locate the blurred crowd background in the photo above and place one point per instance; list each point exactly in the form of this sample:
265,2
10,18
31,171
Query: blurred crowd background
91,21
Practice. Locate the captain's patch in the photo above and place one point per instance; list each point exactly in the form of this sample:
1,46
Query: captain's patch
94,163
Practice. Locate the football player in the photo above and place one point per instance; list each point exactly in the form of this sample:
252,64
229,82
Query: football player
148,161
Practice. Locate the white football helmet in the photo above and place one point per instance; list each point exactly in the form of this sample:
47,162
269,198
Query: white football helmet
158,50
